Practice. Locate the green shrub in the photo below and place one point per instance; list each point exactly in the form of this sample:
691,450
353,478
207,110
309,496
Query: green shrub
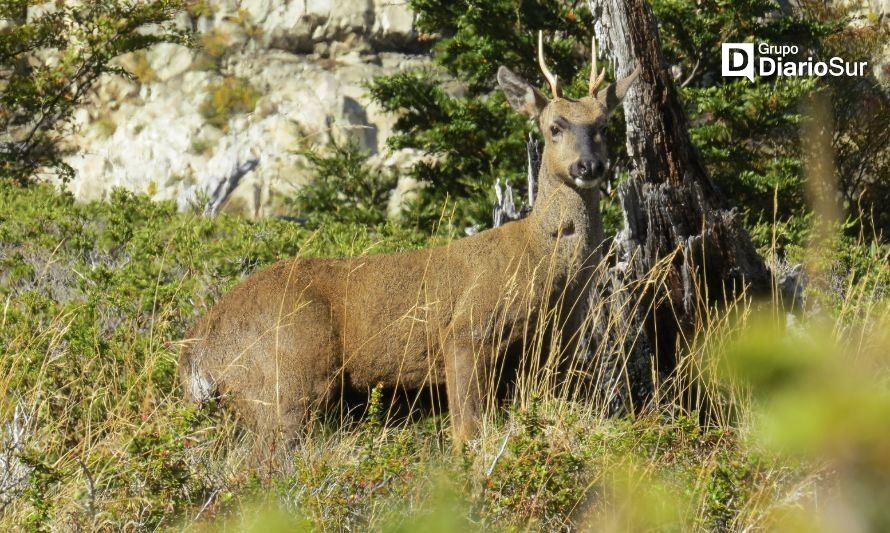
229,97
343,187
212,48
141,69
538,480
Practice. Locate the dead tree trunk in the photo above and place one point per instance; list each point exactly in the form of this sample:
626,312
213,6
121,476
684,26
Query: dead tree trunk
672,213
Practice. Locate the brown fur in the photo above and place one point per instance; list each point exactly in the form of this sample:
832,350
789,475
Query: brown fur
289,339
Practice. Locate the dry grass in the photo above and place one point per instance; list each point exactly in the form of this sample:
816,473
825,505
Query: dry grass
767,422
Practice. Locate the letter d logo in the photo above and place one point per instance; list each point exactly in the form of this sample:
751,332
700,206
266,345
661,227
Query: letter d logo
738,60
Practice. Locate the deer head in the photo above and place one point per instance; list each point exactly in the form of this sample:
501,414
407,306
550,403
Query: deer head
574,147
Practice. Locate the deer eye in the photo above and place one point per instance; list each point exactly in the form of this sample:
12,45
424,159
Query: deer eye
554,131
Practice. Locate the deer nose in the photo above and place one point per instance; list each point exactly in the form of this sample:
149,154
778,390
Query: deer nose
586,168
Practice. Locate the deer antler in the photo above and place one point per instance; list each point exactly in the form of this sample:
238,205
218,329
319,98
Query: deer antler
595,81
551,78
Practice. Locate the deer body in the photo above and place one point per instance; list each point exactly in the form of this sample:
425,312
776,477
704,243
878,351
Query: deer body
292,338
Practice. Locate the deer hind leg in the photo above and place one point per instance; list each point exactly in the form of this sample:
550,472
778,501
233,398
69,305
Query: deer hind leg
311,373
297,372
466,386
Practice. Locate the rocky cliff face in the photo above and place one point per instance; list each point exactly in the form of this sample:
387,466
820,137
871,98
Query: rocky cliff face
273,76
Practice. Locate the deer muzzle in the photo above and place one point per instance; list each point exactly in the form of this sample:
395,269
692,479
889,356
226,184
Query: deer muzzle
587,173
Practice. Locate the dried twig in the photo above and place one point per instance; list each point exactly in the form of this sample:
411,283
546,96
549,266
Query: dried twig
500,453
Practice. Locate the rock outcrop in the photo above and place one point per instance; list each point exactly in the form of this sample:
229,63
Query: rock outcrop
272,77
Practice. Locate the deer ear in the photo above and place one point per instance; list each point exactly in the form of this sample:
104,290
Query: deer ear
611,96
523,96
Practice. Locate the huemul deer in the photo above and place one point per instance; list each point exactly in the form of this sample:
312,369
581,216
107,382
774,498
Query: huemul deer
292,338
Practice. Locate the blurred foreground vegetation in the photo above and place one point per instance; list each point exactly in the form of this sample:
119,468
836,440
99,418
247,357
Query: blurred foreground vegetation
94,300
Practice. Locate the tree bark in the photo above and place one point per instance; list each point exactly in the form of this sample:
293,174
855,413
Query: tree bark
673,213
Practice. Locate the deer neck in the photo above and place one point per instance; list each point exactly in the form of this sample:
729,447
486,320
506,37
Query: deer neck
567,215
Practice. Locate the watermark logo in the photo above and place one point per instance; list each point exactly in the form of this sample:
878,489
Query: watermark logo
740,61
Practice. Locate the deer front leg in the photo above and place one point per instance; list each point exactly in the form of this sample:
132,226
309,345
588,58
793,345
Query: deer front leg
464,381
572,332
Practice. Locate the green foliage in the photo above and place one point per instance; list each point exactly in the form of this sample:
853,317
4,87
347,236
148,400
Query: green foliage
230,97
42,479
50,60
383,468
470,142
477,138
846,269
748,134
201,146
861,133
729,487
213,47
343,187
141,68
539,479
201,8
481,36
821,397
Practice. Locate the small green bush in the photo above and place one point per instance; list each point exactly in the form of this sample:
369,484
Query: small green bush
539,479
141,69
343,186
229,97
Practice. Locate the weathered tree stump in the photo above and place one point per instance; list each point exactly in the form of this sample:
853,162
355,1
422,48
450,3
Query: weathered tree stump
672,213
